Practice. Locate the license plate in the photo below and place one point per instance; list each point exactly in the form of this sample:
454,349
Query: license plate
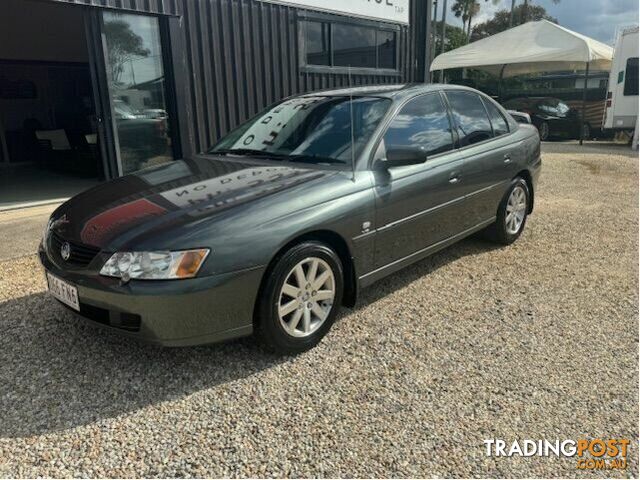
63,291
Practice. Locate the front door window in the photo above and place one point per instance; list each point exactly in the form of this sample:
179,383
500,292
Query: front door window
136,78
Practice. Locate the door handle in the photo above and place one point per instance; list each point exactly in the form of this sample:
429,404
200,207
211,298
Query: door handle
454,177
507,158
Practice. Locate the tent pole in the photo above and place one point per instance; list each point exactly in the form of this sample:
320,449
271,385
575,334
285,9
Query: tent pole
428,38
444,35
584,103
500,83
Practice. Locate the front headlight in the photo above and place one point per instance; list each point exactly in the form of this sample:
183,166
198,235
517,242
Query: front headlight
155,265
45,233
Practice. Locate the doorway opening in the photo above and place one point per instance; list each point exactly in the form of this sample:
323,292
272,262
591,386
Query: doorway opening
84,96
48,126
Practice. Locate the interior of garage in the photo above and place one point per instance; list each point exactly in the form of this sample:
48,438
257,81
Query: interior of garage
48,142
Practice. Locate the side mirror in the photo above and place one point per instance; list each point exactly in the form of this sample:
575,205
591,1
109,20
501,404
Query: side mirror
403,156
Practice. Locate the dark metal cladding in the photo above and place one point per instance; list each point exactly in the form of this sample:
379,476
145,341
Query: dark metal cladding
240,56
243,55
164,7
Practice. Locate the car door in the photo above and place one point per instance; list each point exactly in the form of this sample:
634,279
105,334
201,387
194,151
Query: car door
489,156
419,205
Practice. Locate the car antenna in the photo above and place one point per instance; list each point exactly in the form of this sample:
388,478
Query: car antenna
353,140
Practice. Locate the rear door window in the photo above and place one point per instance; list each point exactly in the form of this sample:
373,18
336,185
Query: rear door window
423,123
498,122
470,117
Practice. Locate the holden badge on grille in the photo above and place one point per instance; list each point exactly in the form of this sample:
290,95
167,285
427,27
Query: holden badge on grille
65,251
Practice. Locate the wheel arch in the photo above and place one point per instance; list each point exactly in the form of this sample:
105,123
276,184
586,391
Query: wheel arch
338,244
526,175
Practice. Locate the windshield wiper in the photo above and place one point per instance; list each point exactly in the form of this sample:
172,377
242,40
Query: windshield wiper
314,159
248,152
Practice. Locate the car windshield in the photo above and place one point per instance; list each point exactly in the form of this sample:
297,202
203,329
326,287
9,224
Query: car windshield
316,129
554,107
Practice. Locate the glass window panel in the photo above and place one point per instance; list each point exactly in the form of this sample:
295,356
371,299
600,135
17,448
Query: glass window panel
137,88
316,36
422,123
631,77
317,128
470,117
498,122
354,46
387,49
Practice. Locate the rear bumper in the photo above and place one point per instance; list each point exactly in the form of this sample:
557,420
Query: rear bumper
169,313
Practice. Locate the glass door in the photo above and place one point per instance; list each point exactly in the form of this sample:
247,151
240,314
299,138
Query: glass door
136,83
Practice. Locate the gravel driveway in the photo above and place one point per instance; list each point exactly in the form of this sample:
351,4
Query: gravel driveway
537,340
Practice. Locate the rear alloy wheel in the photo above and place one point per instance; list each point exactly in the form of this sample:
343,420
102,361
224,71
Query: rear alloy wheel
300,298
516,210
512,214
543,130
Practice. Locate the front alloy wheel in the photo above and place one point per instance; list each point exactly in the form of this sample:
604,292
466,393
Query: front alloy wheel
299,299
306,297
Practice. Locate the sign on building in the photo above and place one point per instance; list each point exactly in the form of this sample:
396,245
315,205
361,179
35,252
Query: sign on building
387,10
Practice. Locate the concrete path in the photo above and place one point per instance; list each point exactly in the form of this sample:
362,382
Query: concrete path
21,230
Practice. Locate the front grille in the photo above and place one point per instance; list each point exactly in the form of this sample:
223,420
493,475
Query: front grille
81,255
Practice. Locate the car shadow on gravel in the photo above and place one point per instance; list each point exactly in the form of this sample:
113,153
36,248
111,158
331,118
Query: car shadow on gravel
57,372
474,245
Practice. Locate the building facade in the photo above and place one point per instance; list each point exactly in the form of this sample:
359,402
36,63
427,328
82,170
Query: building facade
167,78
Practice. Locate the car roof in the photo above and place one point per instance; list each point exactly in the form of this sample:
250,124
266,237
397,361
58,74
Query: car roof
395,92
533,98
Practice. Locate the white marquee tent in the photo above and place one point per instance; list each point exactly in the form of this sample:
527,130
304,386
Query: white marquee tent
532,47
540,46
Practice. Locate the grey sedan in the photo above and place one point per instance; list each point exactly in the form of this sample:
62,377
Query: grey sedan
290,215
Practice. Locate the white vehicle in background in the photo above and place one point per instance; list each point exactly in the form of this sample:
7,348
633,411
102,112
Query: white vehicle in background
622,99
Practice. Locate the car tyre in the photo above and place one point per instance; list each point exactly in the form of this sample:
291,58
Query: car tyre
543,130
296,311
512,214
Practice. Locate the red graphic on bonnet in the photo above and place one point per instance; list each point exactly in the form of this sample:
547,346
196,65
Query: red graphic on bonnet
107,225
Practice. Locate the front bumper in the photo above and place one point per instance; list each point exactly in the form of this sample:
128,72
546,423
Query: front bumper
170,312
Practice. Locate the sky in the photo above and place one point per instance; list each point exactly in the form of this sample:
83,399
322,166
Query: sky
598,19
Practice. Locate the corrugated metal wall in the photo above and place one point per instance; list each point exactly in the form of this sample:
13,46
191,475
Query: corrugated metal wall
167,7
242,55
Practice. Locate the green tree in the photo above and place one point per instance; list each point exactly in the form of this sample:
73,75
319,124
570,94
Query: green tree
526,11
501,19
455,37
467,10
123,46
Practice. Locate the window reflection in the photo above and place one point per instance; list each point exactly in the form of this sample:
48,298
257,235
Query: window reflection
317,42
137,87
354,46
342,44
422,124
470,117
314,126
498,122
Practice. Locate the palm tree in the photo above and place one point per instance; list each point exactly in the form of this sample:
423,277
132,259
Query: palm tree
525,10
466,10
